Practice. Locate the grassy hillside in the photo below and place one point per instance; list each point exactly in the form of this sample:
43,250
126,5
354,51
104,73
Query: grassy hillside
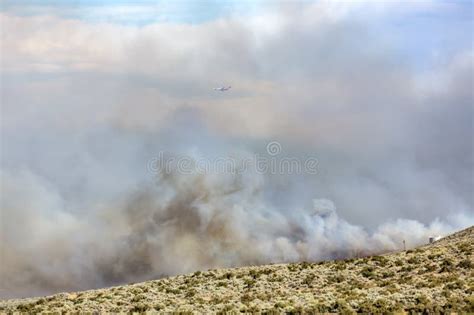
436,277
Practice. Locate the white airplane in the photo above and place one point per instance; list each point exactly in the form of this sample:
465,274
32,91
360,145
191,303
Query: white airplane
222,88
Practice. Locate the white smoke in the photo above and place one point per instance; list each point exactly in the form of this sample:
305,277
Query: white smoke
182,224
85,106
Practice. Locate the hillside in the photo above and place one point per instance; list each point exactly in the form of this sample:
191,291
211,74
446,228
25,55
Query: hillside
434,277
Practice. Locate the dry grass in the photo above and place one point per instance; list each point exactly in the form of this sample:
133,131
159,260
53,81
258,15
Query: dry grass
433,278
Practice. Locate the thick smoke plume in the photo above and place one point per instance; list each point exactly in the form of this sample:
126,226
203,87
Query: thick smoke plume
182,224
86,106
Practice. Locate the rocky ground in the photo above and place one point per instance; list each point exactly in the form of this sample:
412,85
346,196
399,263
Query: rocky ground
434,278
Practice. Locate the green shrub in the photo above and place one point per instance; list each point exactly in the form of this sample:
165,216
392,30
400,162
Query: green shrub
368,272
138,298
388,274
458,284
279,304
407,268
340,265
434,256
413,260
371,307
469,304
158,307
254,273
342,306
380,260
465,248
446,266
362,261
246,298
190,293
275,278
406,280
336,279
249,283
318,308
172,290
392,288
308,279
140,308
466,264
25,307
305,265
454,303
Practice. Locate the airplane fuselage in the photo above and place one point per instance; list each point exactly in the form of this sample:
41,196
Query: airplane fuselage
223,88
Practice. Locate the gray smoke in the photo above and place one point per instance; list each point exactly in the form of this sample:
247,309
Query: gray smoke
182,224
85,107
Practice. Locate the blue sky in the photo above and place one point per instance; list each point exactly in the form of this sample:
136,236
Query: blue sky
135,12
425,33
192,11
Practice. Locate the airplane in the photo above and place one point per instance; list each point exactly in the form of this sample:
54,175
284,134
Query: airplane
222,88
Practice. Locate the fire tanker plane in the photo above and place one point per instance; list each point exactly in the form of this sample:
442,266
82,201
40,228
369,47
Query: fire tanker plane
222,88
